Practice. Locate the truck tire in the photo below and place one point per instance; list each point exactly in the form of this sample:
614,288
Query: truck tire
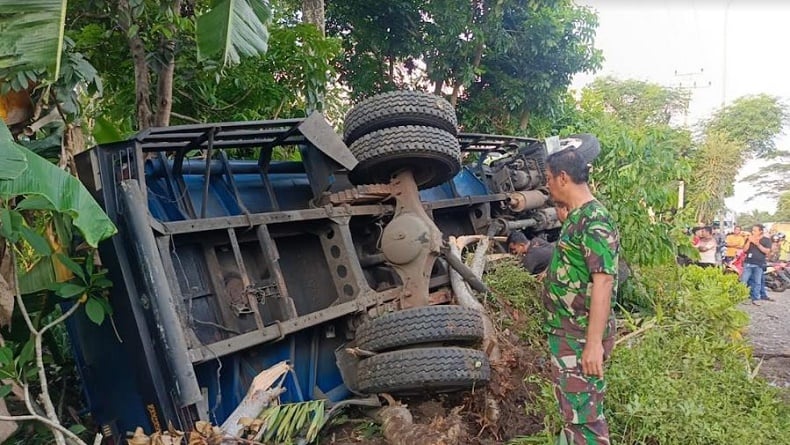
411,371
586,145
433,155
428,324
398,108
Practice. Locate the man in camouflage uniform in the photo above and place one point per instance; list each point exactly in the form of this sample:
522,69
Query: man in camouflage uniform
579,288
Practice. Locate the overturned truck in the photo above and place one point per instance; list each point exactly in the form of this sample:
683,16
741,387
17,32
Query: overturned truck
224,266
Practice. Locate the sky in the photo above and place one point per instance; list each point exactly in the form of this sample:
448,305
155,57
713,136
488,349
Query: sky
719,49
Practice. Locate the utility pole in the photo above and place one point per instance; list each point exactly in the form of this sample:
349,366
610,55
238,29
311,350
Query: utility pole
691,81
724,55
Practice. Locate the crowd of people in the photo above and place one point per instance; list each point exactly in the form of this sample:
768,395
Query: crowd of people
745,252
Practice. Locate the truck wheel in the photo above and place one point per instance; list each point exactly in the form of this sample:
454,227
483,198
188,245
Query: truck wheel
398,108
433,155
428,324
412,371
586,145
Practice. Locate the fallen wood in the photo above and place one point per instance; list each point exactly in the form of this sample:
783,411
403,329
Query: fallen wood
465,298
453,256
398,427
259,396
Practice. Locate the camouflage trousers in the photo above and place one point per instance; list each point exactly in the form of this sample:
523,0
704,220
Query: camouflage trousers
580,397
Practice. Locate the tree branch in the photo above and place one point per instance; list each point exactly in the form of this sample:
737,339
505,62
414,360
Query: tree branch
46,400
73,437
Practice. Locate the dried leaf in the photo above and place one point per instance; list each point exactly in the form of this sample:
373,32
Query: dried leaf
139,438
7,289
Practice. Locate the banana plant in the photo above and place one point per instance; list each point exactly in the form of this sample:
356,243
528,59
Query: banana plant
33,35
31,183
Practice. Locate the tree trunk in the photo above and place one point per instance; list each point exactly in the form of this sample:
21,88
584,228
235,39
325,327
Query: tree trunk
142,82
524,120
313,12
164,85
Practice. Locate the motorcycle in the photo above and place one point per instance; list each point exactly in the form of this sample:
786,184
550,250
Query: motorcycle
776,274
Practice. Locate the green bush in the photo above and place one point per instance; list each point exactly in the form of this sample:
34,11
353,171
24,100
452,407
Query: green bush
669,387
514,286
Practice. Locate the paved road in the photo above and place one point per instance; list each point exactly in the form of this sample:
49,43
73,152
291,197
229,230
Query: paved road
769,332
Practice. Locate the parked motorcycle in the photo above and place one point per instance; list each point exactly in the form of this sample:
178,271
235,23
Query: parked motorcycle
776,275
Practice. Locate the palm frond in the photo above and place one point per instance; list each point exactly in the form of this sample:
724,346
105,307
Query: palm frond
282,423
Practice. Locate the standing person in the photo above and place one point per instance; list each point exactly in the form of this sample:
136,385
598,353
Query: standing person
707,248
784,248
734,243
580,284
757,247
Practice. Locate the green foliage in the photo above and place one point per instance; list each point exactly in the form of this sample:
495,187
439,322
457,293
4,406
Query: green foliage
747,220
639,103
513,285
57,190
282,423
715,164
89,286
648,219
293,74
751,121
32,40
772,180
504,61
686,378
783,207
533,52
233,29
674,388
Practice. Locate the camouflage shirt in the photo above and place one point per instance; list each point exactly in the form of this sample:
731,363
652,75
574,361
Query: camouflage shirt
588,243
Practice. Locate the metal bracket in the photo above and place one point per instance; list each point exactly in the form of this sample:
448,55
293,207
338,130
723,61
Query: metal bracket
411,242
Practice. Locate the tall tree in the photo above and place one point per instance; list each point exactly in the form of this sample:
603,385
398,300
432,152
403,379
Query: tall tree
756,216
752,121
502,60
715,164
783,207
641,103
746,129
772,180
313,12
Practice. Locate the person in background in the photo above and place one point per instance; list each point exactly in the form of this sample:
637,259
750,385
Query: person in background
757,247
707,248
580,286
784,248
734,243
534,255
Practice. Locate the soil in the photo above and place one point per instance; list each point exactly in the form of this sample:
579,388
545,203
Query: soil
769,333
507,387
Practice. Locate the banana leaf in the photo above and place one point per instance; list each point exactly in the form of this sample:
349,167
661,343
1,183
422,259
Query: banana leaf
12,162
232,29
32,39
60,191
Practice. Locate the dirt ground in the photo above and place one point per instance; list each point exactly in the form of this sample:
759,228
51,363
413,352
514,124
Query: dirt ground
469,411
769,333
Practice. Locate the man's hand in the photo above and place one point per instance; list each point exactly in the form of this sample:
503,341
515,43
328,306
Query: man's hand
592,359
